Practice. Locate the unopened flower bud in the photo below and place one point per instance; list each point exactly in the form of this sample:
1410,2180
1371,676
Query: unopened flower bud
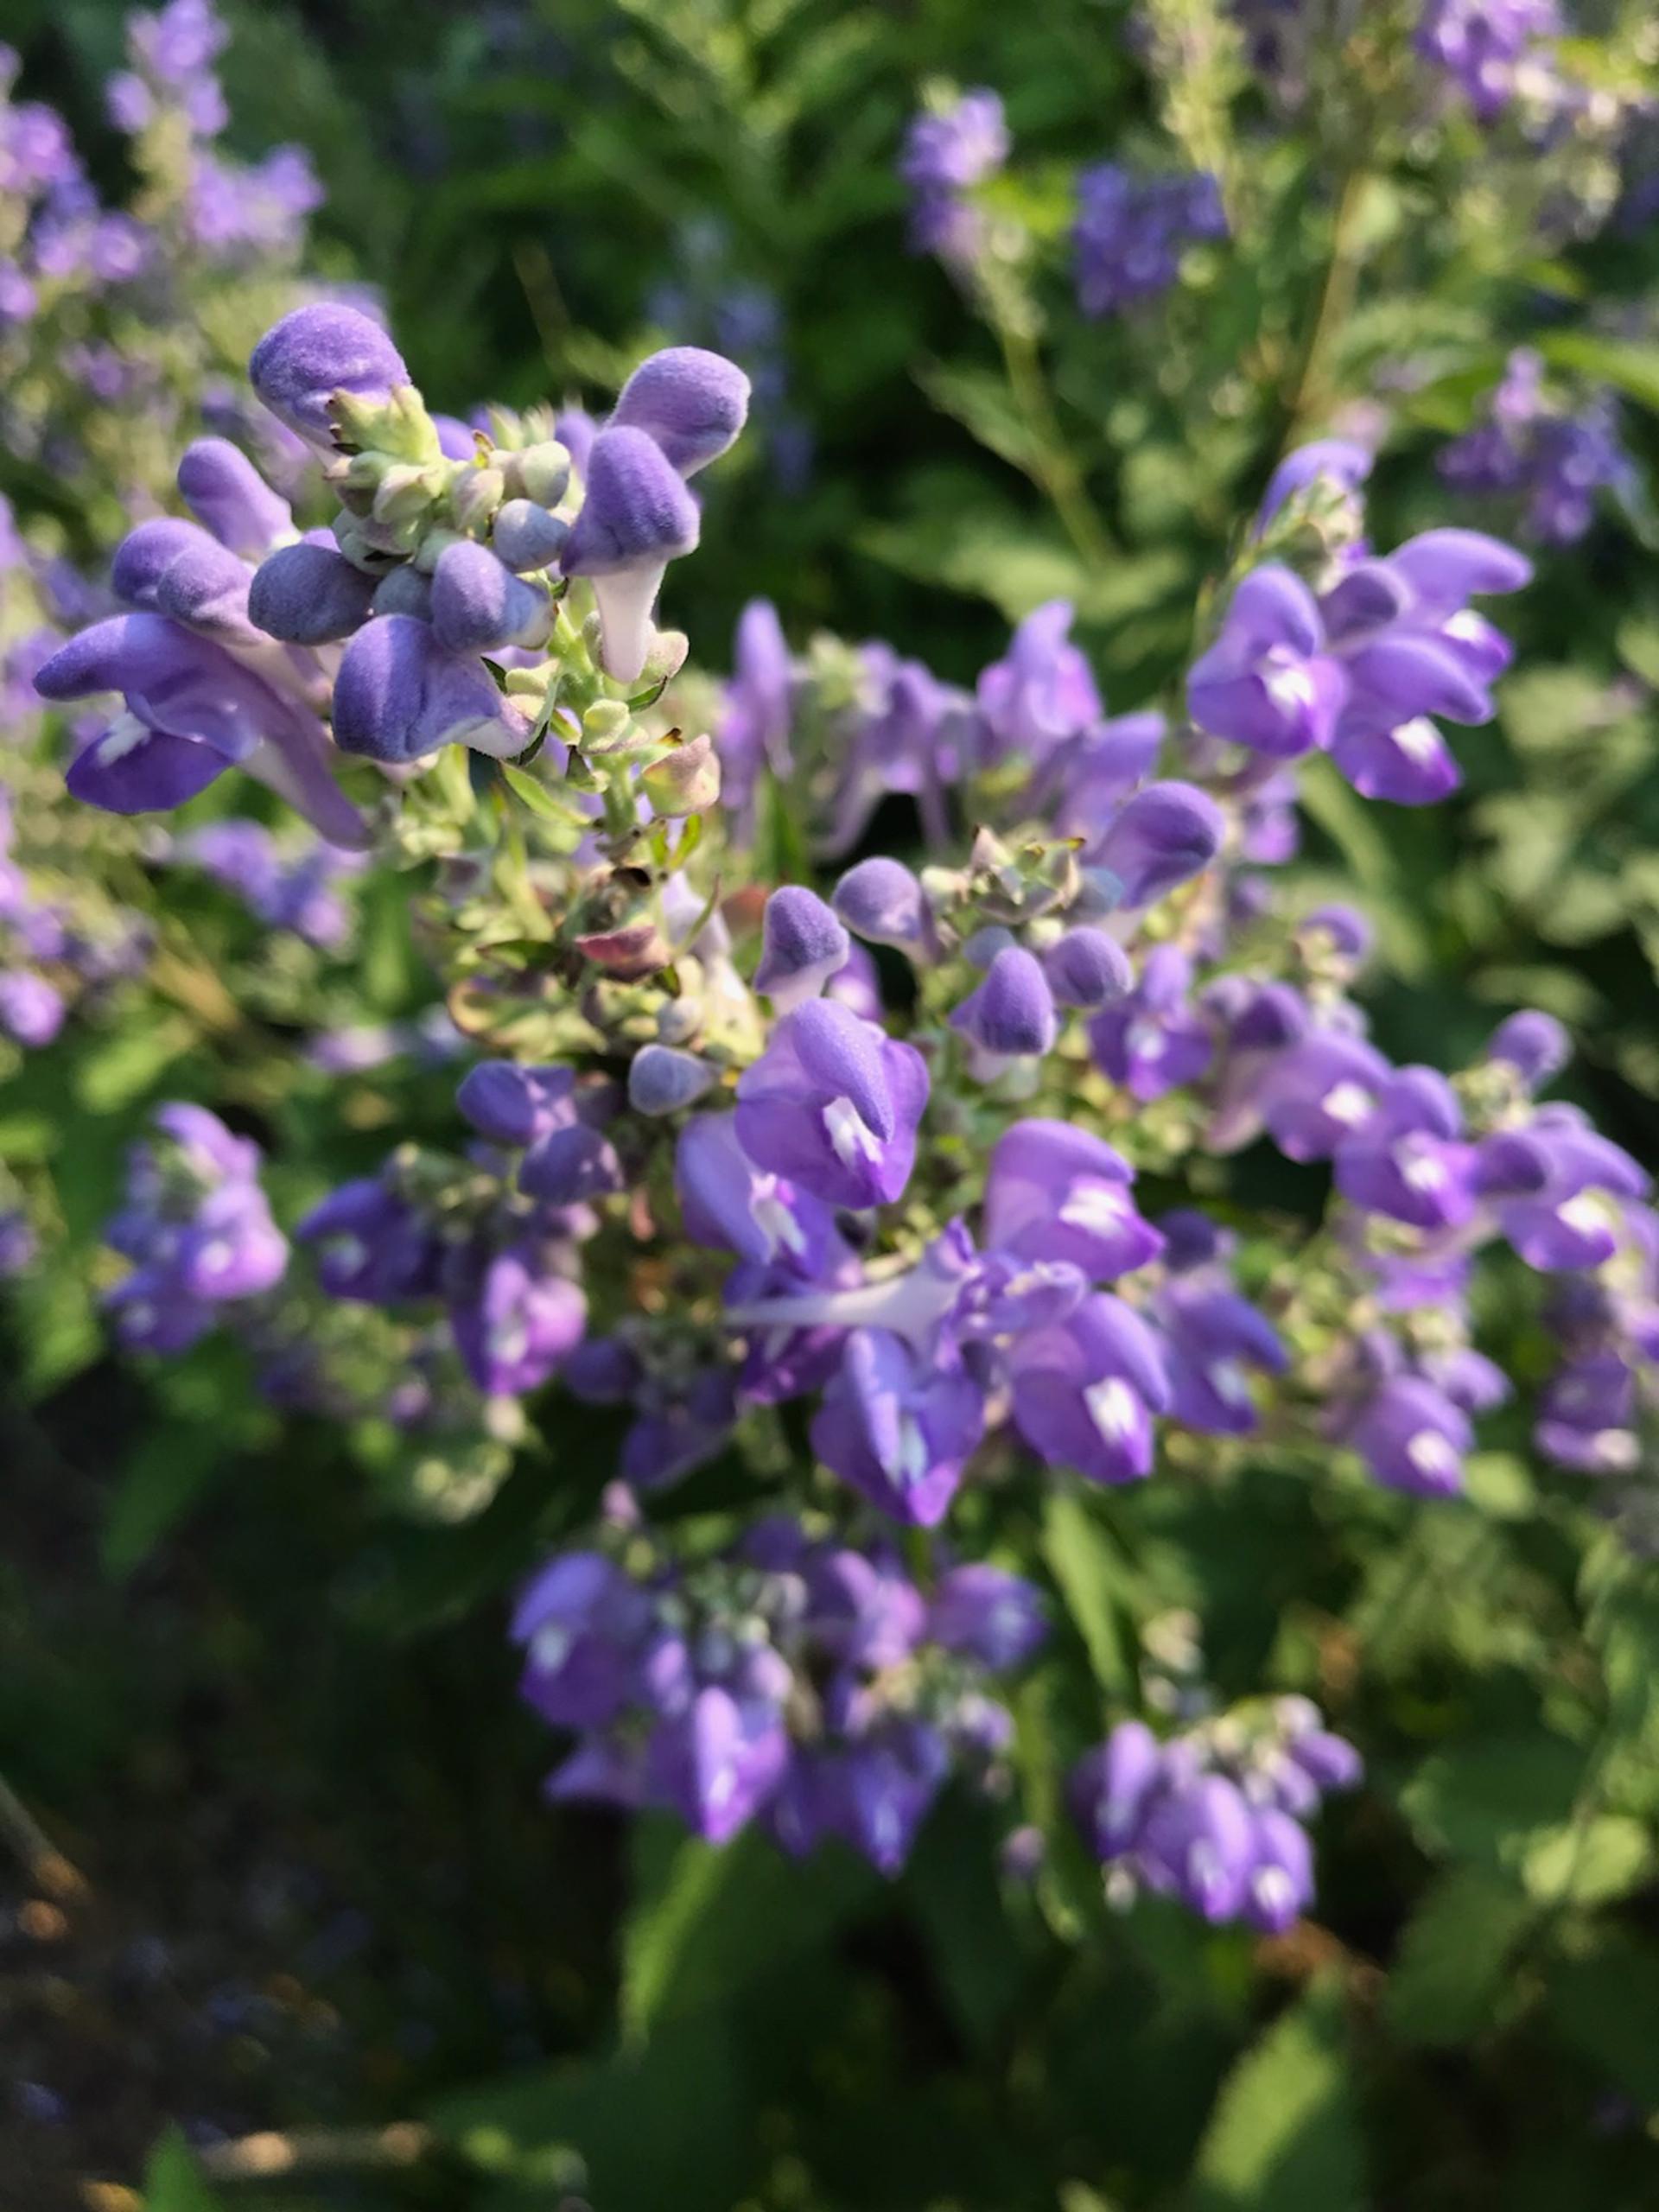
661,1080
684,781
528,536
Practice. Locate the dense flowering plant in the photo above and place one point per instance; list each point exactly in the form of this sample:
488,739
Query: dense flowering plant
723,1163
979,1254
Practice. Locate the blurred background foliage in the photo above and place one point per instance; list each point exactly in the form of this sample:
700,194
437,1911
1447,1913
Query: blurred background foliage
272,1725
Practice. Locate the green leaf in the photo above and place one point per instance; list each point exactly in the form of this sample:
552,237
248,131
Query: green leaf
709,1919
1449,1969
1606,2003
1094,1584
979,400
1630,368
671,2125
170,1469
121,1069
535,794
1493,1800
173,2181
1285,2134
1590,1862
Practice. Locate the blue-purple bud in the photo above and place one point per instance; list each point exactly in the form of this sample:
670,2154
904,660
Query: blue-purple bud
1534,1044
569,1166
1011,1015
881,900
692,402
1165,834
308,596
662,1079
527,536
803,945
398,697
227,495
1089,969
479,605
303,361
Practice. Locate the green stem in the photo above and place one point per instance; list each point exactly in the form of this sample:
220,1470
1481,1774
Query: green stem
1308,398
1053,463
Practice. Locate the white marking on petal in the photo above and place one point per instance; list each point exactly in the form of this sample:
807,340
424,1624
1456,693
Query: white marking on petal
851,1139
1431,1454
1099,1207
124,734
1418,739
1112,1407
1349,1102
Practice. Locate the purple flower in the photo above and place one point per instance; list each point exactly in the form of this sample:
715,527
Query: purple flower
1320,1092
1587,1416
1478,44
947,151
753,729
1338,463
317,352
1084,1391
728,1203
834,1105
1011,1014
399,695
227,495
1408,1161
1058,1193
1412,1437
802,946
897,1428
1111,1786
1153,1042
31,1009
693,403
990,1614
1535,1045
1088,970
479,605
1267,683
881,900
1042,693
637,517
1165,834
191,712
514,1319
527,536
1131,232
309,595
1211,1338
515,1105
1198,1843
197,1227
718,1761
378,1246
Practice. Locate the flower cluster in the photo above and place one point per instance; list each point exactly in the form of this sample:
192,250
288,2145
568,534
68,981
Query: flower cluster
1493,51
107,359
794,1681
1131,232
952,146
196,1227
861,1167
1214,1816
170,98
1543,459
282,887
